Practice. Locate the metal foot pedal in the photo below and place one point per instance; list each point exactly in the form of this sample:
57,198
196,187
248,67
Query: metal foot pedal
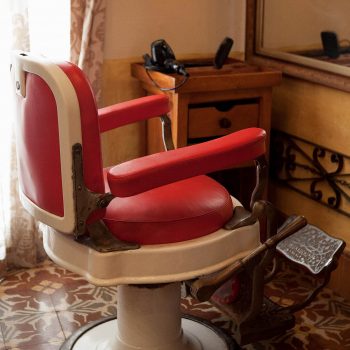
311,247
314,250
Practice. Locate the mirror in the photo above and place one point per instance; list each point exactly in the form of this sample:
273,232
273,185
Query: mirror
290,30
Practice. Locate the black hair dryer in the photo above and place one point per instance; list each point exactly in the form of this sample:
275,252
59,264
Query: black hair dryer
163,59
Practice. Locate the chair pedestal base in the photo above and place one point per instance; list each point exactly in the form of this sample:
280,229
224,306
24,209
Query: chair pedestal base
149,318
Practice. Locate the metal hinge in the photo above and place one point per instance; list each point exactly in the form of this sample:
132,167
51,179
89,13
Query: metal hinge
86,202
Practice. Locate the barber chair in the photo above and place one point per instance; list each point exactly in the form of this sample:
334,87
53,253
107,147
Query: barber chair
145,225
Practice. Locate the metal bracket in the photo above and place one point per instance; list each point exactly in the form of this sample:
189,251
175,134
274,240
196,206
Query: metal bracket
167,133
204,287
242,217
261,180
86,202
101,239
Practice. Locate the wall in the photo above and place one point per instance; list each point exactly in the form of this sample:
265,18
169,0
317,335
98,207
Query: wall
321,115
191,27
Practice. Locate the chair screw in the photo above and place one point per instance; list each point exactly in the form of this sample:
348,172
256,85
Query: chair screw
102,203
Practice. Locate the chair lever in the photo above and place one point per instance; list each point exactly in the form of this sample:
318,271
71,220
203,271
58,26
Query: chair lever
204,288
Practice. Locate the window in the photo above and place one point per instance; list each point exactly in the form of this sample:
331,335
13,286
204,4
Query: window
49,28
49,33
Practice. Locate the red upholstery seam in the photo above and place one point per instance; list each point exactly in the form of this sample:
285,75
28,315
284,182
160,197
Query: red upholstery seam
173,220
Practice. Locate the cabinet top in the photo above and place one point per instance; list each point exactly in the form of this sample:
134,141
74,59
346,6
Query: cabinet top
233,75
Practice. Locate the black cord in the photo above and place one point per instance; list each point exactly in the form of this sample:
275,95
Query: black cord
184,80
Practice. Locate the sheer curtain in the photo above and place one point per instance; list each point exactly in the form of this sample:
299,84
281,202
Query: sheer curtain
18,247
5,129
87,40
28,25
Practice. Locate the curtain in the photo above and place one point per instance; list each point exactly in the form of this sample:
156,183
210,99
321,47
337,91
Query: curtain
23,239
20,238
87,40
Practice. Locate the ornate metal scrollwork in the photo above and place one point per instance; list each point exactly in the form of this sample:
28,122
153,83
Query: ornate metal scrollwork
317,172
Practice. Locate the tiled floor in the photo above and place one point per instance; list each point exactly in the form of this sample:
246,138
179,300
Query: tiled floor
41,307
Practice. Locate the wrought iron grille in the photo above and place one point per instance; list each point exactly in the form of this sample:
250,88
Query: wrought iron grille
314,171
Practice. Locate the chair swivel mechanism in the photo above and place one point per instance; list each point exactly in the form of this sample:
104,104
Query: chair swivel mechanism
145,225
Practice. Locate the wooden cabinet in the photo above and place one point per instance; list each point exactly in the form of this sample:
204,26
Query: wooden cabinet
218,119
212,102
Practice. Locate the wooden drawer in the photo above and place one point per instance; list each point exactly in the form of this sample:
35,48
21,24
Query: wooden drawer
209,121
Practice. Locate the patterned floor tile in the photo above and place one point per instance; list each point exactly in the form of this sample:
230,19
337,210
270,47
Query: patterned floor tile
42,306
44,346
33,329
20,303
86,298
206,311
46,278
72,321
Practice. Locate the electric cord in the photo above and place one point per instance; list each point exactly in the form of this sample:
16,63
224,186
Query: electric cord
182,82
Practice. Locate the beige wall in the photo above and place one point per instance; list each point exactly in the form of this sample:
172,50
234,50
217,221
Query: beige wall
320,115
191,27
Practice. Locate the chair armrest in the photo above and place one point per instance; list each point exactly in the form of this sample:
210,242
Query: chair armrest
142,174
132,111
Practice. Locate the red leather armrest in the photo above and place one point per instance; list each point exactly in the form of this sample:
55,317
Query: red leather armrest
132,111
158,169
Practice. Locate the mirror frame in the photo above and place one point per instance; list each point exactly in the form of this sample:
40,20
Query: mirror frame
295,69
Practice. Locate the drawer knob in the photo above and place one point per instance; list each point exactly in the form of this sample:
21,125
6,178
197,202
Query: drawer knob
225,123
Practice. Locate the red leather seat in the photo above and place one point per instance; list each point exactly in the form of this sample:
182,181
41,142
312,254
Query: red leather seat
176,212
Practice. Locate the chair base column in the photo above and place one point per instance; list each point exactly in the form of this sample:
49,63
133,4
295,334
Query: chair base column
149,318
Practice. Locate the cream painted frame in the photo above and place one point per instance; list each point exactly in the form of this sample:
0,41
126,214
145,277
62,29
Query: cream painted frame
68,114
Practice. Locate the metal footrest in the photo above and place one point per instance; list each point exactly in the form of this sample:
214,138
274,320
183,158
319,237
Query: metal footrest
311,248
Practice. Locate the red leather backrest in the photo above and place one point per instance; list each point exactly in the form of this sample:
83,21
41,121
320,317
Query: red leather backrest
38,146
